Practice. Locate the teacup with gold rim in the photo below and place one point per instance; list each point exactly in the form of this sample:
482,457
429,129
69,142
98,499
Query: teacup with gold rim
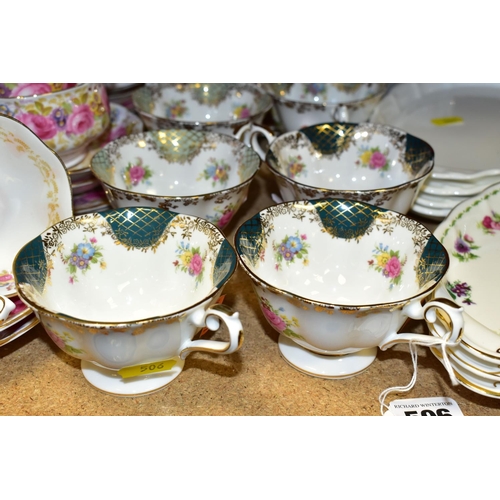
67,119
200,173
299,105
127,290
338,278
213,107
372,163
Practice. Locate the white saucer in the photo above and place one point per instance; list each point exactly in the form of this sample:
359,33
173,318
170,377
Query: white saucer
330,367
439,202
437,214
470,380
466,149
452,189
109,382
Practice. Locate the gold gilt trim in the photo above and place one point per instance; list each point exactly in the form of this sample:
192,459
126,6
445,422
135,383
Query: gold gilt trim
48,176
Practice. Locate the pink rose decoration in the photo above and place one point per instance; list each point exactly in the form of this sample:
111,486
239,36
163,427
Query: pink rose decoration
58,341
80,120
28,89
468,238
392,268
6,277
196,264
377,160
489,223
43,126
136,174
274,319
226,217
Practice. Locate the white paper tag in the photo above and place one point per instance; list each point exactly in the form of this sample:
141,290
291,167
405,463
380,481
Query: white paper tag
424,407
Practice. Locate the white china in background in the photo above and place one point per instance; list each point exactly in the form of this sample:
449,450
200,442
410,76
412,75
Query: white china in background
298,105
461,122
465,148
212,107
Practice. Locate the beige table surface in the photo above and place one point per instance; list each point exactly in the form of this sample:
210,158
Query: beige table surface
36,378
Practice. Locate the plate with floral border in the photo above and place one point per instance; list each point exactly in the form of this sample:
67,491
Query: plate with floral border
471,235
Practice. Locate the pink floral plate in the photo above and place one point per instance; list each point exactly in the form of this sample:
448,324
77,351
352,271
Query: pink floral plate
471,234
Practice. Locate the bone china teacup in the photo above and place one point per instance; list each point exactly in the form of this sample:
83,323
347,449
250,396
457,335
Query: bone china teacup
338,278
127,290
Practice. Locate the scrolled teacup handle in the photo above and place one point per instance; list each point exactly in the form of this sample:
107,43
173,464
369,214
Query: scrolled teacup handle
249,134
211,318
446,331
6,307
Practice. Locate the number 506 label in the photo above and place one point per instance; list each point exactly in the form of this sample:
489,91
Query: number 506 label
425,407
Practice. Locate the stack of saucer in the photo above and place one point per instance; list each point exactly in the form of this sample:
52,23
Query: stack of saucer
460,122
471,235
88,194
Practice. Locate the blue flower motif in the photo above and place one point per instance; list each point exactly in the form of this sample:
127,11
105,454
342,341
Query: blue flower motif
211,170
85,250
294,244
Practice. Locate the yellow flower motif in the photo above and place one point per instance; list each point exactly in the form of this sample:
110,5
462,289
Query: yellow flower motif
103,265
365,157
186,257
306,262
382,259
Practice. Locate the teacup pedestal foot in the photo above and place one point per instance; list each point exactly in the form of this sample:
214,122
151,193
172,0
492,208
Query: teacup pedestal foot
330,367
109,382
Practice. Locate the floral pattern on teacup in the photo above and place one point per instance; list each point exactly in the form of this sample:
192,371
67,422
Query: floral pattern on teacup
223,215
460,289
490,224
295,167
241,111
290,248
62,340
314,89
28,89
136,173
7,281
63,124
216,170
389,263
278,320
464,244
190,261
373,158
82,256
175,109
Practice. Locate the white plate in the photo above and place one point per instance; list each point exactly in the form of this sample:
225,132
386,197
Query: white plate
438,187
35,192
439,202
437,214
464,150
471,235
